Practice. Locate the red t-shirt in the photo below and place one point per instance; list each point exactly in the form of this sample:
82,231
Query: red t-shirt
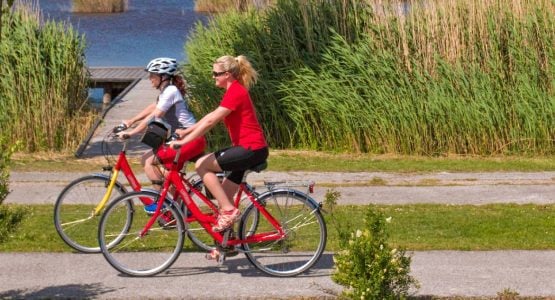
242,123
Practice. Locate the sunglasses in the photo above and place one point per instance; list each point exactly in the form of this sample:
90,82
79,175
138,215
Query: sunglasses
218,74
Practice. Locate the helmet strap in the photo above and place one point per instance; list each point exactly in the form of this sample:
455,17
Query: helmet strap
163,78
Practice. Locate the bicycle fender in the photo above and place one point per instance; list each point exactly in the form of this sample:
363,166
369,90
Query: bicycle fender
150,190
312,202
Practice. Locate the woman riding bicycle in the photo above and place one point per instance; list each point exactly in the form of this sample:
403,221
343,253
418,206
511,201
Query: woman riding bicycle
171,105
249,147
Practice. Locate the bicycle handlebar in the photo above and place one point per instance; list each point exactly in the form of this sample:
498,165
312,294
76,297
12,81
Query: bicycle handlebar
121,127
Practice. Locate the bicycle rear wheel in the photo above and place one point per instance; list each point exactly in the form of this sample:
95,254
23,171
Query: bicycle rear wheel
303,224
74,217
136,254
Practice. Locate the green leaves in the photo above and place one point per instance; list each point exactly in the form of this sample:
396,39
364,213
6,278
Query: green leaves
369,267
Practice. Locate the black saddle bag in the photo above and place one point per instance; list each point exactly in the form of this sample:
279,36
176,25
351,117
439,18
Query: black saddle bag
156,134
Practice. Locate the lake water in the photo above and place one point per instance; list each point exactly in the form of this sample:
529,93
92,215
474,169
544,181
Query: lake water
147,29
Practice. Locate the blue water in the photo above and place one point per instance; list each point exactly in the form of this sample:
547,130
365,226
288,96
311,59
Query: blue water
148,29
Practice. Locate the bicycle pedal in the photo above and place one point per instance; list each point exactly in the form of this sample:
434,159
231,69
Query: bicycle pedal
221,259
217,255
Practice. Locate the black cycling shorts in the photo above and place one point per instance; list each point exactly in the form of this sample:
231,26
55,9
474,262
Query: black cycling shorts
238,159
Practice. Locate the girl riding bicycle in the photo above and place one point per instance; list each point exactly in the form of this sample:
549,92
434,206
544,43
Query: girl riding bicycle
171,105
249,147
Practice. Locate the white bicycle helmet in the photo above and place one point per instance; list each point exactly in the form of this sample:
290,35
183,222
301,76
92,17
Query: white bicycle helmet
162,65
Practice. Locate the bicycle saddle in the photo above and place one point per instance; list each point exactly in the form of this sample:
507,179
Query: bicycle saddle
258,168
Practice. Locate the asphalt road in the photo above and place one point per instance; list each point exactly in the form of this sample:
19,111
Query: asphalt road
440,273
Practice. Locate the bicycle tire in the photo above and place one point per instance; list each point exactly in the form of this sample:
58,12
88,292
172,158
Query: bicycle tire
73,218
305,229
137,255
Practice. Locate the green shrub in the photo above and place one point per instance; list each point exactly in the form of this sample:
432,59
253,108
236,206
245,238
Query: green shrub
9,217
9,220
366,264
6,151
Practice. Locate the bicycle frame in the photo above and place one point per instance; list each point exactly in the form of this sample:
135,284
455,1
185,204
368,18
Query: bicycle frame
121,165
206,220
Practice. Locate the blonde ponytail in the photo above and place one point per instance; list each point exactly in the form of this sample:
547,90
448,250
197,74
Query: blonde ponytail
240,67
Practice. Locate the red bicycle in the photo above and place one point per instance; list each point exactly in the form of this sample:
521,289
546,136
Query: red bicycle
282,231
79,206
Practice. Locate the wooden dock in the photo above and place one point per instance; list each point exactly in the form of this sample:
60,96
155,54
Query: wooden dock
137,92
113,80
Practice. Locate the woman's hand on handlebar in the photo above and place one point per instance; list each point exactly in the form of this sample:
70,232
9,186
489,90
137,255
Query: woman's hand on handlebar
175,145
181,133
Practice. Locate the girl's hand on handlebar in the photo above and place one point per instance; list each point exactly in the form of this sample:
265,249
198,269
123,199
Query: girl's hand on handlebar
123,135
121,127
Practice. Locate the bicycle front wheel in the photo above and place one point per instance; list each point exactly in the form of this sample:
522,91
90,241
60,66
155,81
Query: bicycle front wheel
74,217
304,227
138,253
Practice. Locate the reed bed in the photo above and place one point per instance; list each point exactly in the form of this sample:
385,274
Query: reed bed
218,6
278,41
43,82
417,77
99,6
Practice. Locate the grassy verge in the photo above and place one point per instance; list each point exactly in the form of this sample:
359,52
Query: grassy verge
286,160
415,227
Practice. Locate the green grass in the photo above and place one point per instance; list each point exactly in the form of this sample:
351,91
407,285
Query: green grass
284,160
463,227
415,227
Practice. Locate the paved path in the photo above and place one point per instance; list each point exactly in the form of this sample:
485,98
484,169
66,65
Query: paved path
355,188
440,273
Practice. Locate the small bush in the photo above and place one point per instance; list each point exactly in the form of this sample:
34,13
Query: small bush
6,151
367,265
9,218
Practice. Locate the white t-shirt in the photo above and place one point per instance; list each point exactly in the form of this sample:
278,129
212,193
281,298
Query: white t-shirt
176,110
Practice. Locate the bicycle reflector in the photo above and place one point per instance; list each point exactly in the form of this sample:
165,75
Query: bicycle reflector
157,133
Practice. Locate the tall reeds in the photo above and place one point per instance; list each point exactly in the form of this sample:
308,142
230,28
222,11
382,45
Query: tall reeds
43,82
283,38
418,77
222,6
99,6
